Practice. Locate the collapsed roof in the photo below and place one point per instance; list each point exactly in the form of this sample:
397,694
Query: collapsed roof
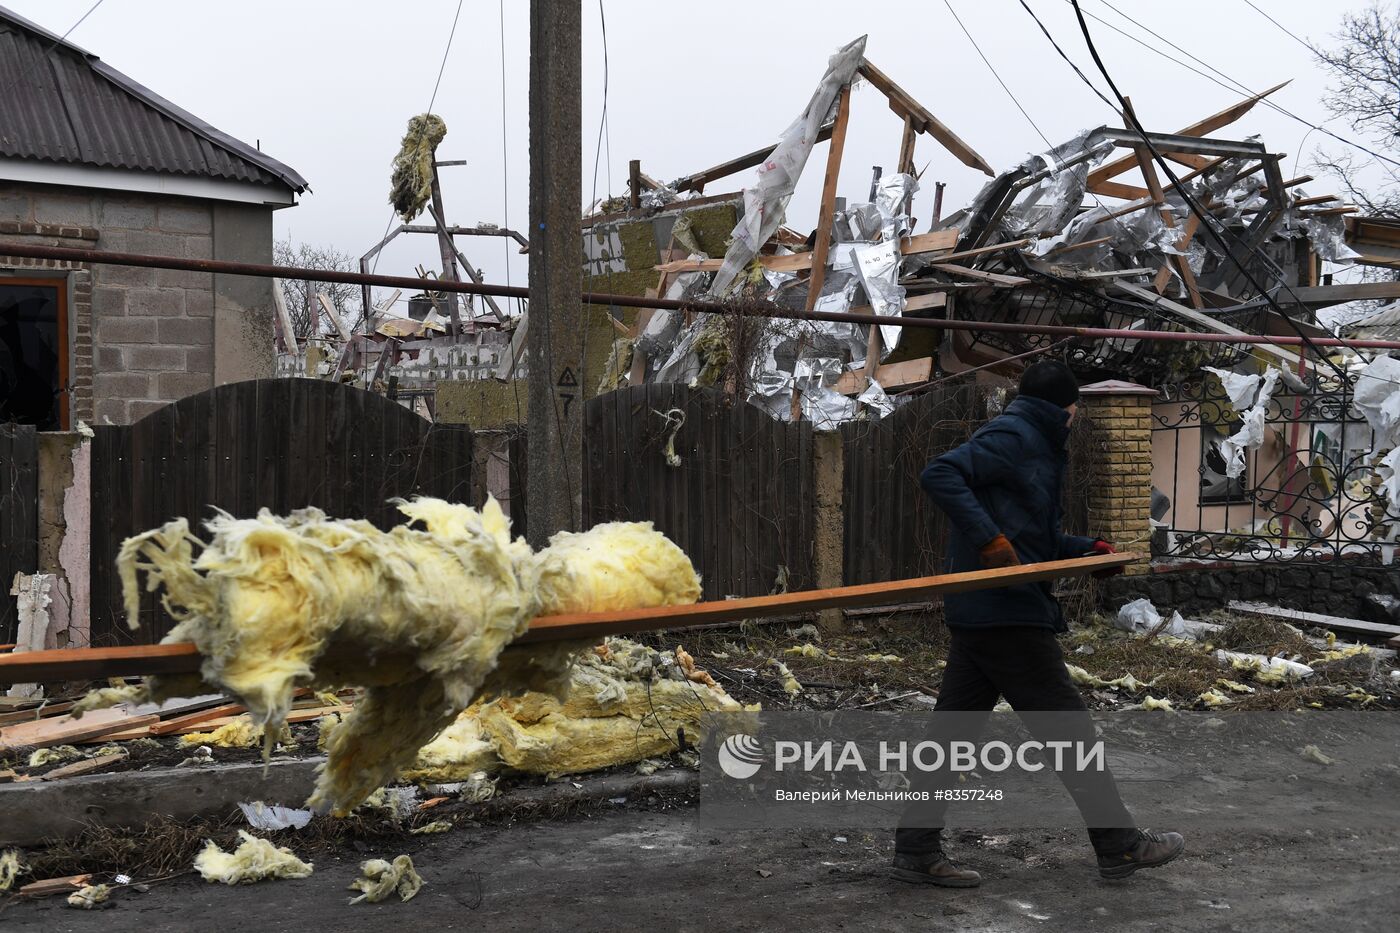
1060,238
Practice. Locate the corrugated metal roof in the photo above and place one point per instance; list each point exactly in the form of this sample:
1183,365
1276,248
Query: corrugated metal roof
62,104
1384,324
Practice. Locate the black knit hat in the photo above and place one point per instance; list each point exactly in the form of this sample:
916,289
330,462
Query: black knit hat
1052,381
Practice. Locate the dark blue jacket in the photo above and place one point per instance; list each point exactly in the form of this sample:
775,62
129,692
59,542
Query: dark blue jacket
1006,480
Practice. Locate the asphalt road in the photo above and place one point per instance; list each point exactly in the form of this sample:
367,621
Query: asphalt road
634,869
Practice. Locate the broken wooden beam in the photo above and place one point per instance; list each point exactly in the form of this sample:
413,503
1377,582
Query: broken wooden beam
1375,630
904,104
63,664
889,376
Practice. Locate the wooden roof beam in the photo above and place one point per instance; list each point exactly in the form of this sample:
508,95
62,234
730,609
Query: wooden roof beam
904,104
1200,128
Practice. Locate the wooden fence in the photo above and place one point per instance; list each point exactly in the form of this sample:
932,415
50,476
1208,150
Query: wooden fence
892,531
281,444
19,515
739,500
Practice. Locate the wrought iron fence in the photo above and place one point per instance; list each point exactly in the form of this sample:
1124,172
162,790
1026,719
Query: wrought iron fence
1308,489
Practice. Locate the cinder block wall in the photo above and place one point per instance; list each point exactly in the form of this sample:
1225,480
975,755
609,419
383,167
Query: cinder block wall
141,338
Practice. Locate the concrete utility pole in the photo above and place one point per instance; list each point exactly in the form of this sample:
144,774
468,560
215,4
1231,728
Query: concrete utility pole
555,339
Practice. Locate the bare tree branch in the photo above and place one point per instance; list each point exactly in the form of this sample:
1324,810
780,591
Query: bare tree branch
305,310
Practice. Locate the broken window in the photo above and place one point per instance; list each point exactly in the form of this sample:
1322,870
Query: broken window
1216,487
33,353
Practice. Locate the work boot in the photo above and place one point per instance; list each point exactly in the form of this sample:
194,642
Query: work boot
1150,850
934,869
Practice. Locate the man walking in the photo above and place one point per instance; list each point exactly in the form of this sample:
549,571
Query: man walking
1001,493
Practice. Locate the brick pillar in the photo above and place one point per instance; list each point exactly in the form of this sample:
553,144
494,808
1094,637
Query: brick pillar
1120,498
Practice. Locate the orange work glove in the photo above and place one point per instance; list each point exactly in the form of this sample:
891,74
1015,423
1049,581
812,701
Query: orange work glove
1103,547
998,552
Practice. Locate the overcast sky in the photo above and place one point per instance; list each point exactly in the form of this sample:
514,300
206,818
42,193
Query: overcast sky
328,85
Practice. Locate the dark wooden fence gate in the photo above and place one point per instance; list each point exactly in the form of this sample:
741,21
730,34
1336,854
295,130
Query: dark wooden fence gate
280,444
740,502
19,515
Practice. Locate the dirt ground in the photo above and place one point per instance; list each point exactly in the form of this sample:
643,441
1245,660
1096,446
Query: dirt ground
637,869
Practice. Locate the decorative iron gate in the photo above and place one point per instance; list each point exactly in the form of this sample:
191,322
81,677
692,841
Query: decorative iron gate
1308,490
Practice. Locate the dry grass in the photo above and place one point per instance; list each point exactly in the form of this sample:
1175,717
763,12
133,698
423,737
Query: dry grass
1258,635
1178,672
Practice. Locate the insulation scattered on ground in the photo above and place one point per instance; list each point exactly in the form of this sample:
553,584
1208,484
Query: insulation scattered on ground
57,754
790,683
89,896
10,868
1314,754
418,615
254,860
379,879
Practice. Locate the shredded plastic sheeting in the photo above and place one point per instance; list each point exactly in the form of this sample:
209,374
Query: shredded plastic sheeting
254,860
89,896
379,879
418,615
10,868
262,816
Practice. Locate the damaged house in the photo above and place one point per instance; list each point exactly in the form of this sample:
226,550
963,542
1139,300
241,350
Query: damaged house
90,158
1259,451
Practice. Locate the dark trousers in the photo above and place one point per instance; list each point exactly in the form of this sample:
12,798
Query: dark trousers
1025,665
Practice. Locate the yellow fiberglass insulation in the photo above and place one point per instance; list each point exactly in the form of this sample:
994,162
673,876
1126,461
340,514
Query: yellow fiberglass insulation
10,868
254,860
622,702
379,879
417,615
241,733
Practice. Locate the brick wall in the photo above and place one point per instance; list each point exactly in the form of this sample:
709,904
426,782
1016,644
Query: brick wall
140,337
1120,496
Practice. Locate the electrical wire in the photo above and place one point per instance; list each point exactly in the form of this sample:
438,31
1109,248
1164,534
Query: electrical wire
1207,222
1233,86
1285,29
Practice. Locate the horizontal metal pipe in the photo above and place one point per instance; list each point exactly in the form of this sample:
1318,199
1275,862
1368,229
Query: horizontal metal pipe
69,254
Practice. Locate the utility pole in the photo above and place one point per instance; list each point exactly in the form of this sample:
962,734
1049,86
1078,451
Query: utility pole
555,338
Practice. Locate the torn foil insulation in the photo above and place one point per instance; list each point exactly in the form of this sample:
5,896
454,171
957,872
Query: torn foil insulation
1048,205
765,202
877,267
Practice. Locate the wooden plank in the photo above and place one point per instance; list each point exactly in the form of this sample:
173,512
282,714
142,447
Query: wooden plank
1200,128
827,212
293,716
1116,189
1335,623
1193,224
984,250
1010,281
86,766
334,318
906,147
51,886
890,376
282,320
904,104
169,726
36,714
93,663
67,729
698,180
